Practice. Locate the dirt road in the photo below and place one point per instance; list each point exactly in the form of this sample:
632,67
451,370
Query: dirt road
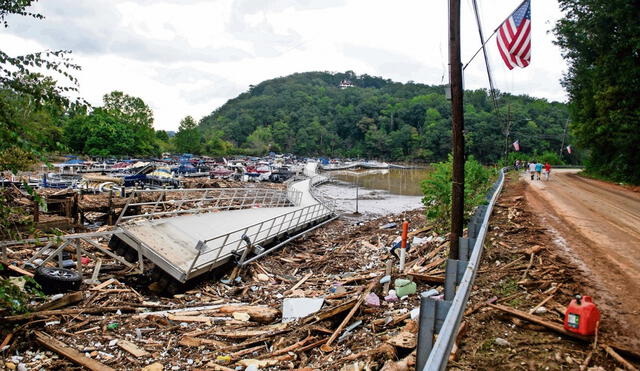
597,224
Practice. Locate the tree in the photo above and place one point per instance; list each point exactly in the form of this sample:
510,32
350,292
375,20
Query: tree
137,115
29,100
599,39
261,140
128,108
187,139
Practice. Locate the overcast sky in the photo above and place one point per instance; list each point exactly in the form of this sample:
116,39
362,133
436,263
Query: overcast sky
188,57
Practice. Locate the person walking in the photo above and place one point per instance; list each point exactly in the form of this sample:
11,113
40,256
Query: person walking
547,170
538,167
532,169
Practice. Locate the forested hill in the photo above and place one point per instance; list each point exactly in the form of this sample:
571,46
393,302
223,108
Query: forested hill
310,114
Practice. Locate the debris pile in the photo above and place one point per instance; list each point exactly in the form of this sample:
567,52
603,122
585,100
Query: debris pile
332,300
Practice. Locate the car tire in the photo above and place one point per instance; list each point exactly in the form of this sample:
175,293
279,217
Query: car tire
55,280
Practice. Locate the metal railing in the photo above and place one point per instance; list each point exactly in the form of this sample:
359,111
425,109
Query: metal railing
447,314
222,246
172,202
322,197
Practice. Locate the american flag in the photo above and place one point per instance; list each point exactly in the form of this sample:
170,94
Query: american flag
514,37
516,145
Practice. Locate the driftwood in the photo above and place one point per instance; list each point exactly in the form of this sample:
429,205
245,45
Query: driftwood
539,321
64,301
619,358
327,346
72,354
59,312
261,314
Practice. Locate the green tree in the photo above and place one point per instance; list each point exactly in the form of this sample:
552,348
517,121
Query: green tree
261,140
187,139
29,101
136,114
600,40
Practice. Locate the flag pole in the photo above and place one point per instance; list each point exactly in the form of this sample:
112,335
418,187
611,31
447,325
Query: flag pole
457,128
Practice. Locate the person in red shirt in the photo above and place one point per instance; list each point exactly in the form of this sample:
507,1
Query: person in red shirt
547,170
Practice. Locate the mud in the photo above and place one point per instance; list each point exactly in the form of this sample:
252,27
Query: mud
597,225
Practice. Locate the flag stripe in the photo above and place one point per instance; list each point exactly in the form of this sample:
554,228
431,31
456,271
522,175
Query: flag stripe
514,37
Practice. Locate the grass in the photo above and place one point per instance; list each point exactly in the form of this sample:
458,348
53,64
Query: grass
508,287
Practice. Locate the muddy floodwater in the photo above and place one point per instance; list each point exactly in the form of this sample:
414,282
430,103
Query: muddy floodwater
380,192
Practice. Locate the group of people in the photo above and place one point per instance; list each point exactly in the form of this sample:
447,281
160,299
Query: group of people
536,169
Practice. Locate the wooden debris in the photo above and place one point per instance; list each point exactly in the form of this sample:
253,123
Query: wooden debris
537,320
59,312
261,313
299,283
619,358
68,299
404,339
216,367
132,348
426,278
72,354
106,283
189,341
385,349
327,346
532,310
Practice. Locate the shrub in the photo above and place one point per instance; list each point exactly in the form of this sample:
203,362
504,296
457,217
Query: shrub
437,190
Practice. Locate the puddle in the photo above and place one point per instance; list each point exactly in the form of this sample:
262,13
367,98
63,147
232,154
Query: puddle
379,192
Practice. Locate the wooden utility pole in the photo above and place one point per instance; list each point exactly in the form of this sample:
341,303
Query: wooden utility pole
457,128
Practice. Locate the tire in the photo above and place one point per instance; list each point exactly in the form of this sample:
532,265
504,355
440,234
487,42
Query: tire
131,255
56,280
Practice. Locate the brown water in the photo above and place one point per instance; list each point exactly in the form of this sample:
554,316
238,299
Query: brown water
395,181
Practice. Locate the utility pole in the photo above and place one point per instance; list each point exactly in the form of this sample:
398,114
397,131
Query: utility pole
566,123
507,132
457,128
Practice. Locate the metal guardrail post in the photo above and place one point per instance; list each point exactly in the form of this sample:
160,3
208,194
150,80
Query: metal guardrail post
432,315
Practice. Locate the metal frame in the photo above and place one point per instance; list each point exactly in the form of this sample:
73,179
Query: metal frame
208,199
53,247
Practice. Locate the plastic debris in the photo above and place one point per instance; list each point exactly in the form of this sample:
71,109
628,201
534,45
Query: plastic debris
432,292
385,279
502,342
405,287
372,300
388,226
294,308
112,326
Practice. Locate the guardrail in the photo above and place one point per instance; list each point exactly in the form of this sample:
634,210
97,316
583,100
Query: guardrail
444,317
199,200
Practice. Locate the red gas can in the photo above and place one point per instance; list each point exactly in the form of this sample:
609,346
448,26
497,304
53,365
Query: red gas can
582,316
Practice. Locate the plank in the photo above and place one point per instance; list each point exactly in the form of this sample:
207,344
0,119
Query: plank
72,354
64,301
132,348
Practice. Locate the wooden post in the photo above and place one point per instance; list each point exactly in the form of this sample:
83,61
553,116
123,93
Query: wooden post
457,128
36,211
110,211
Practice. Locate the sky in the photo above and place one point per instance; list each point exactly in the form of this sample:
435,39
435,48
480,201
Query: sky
188,57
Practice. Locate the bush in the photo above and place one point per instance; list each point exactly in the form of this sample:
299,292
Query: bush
437,190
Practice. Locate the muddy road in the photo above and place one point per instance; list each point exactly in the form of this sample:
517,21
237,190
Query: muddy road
597,225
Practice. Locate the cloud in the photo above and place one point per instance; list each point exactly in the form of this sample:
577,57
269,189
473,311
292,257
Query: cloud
402,67
97,28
